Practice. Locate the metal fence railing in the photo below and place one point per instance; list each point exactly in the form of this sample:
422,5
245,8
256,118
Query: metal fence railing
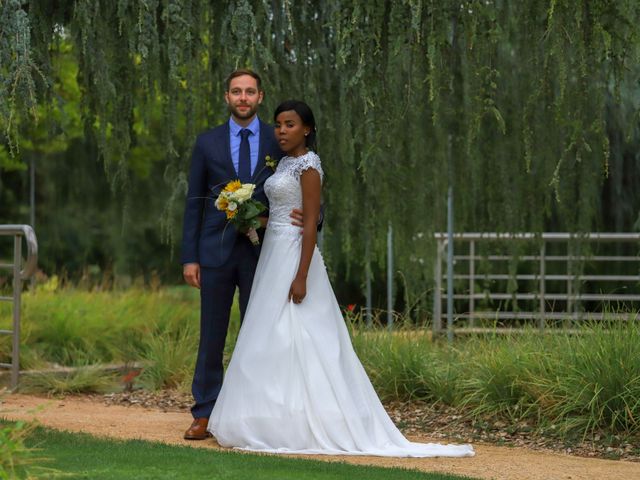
552,268
20,274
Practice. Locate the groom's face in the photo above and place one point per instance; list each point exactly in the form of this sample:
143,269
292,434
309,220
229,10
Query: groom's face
243,97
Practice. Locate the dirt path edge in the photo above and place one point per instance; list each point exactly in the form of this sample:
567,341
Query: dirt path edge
79,414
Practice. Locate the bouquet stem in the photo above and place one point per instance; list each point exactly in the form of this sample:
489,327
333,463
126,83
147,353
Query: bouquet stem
253,236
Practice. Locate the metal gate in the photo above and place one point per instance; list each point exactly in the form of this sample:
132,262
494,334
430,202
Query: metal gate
20,274
563,286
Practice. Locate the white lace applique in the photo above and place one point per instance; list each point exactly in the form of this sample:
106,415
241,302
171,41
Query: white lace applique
284,192
305,162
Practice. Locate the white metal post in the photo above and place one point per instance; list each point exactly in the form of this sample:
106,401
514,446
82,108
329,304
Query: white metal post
472,281
368,314
437,293
390,277
17,290
541,320
568,321
450,265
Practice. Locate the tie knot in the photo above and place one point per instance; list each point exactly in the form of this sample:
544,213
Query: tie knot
244,133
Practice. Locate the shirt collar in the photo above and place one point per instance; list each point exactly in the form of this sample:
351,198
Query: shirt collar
253,127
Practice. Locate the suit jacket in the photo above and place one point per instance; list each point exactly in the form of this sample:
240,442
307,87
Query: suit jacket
207,238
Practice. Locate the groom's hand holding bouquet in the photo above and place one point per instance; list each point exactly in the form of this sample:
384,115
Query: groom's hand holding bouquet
241,210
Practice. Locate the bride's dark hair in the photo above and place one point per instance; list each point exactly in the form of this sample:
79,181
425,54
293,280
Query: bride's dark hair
305,113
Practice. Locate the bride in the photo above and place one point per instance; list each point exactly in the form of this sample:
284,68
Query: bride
294,383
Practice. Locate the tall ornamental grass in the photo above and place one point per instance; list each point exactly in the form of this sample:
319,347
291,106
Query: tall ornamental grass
593,381
406,365
571,382
170,357
86,379
79,328
75,327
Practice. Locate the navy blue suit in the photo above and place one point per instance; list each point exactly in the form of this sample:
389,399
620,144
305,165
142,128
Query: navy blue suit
227,259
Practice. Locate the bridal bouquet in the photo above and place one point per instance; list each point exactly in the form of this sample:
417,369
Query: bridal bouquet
241,210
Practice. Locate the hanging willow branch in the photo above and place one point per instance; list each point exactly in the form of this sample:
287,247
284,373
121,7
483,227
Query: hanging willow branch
521,90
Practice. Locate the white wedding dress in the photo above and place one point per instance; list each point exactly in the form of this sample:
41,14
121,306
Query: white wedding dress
294,383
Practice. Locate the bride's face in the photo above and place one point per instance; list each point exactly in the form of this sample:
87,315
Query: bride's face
291,133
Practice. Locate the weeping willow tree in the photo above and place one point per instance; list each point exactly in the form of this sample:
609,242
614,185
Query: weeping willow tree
514,96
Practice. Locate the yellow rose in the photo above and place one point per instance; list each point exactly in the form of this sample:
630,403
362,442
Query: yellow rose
233,186
231,214
222,202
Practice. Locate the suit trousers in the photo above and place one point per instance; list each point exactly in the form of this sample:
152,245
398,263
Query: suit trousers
217,289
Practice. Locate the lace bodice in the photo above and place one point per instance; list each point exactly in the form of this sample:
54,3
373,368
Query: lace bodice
284,192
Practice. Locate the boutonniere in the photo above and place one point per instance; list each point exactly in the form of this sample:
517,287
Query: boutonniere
270,162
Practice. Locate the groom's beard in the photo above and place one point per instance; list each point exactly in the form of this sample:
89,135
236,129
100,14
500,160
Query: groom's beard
250,112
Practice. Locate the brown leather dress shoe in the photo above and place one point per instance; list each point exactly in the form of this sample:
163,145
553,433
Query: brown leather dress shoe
198,429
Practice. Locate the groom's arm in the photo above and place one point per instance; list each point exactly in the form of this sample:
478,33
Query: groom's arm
191,274
194,206
297,216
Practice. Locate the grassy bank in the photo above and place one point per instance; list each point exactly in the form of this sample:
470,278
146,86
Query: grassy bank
567,383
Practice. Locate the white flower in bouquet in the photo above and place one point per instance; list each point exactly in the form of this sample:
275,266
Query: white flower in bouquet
244,193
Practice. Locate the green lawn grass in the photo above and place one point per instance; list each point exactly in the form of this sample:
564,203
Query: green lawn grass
87,457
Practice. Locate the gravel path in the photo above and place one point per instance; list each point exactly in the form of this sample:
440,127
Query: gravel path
90,415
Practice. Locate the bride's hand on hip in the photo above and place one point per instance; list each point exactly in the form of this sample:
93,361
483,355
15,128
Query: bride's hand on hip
298,290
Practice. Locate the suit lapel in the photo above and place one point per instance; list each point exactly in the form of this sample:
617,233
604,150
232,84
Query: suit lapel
226,154
257,173
262,171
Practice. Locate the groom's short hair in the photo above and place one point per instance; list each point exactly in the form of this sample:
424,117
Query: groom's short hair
240,72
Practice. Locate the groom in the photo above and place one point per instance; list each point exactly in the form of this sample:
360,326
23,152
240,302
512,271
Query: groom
216,257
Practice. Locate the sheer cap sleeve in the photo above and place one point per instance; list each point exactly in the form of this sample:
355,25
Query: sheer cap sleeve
307,161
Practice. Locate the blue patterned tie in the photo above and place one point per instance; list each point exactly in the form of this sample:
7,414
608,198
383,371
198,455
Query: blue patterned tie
244,157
